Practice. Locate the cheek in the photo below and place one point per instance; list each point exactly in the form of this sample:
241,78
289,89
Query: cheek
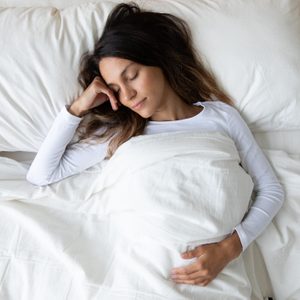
151,84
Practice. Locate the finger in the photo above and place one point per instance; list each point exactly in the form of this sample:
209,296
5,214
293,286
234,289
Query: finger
102,97
202,274
101,87
193,253
199,264
204,283
194,281
194,267
98,78
111,97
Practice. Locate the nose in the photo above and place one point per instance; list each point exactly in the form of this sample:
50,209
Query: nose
128,93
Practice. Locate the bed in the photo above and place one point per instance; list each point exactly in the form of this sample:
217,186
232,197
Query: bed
52,248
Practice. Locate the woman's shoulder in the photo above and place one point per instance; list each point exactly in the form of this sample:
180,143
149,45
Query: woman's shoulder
220,107
217,103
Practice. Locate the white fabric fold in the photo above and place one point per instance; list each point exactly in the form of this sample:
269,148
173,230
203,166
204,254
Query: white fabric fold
165,193
158,196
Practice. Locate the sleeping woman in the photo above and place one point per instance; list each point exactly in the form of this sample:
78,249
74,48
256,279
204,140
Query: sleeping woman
144,78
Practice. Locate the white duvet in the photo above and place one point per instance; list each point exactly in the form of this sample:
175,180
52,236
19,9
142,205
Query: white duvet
158,195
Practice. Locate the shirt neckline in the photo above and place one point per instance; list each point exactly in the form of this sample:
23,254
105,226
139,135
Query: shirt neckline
181,120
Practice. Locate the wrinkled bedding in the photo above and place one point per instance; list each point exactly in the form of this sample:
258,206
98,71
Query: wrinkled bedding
157,196
57,243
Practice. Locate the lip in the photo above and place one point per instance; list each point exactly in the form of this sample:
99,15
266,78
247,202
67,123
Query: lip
139,104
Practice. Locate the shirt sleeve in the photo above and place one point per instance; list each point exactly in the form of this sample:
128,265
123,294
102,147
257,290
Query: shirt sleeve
57,158
269,194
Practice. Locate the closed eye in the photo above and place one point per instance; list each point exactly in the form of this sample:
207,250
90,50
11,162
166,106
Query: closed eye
134,76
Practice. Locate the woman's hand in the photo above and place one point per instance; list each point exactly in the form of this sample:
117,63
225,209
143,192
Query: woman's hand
94,95
211,259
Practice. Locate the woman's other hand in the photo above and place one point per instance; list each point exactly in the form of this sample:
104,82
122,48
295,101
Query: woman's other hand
211,260
94,95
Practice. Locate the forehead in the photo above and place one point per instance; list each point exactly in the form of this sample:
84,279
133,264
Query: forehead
111,65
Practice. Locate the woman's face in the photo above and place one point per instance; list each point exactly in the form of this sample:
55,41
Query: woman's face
139,87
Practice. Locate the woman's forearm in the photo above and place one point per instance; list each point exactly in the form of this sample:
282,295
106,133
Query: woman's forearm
52,149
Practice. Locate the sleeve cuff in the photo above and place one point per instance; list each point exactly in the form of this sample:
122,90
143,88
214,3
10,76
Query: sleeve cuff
68,116
243,238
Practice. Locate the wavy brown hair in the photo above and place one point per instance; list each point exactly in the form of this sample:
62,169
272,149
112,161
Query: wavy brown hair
152,39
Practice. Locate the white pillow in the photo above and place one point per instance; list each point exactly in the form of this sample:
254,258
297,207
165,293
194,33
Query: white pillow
252,47
39,58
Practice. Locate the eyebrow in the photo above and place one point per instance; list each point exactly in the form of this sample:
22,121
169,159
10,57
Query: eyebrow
123,72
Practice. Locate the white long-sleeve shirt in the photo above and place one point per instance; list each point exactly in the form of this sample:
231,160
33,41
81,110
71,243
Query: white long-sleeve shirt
57,158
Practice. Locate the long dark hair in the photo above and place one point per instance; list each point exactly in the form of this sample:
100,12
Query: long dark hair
152,39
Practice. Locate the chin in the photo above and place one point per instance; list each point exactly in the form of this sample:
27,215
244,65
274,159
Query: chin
145,115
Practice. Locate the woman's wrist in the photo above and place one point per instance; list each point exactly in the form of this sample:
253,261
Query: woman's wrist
232,246
75,110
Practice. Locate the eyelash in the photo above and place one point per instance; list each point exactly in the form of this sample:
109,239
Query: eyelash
136,74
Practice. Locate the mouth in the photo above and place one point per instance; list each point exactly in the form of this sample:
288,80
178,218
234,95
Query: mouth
138,105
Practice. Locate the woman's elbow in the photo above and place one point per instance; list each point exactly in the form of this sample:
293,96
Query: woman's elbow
36,180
